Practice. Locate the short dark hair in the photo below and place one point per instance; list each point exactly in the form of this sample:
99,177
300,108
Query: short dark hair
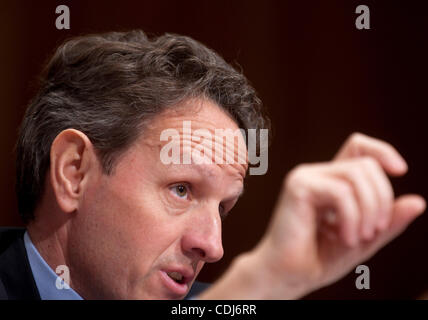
107,85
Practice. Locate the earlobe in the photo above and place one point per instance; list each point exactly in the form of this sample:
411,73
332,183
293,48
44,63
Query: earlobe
71,161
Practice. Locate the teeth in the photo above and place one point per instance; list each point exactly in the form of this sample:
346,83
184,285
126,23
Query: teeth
175,275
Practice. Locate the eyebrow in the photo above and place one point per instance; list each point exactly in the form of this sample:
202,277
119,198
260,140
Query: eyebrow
207,173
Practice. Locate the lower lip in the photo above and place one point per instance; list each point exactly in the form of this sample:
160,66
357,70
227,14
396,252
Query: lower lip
177,288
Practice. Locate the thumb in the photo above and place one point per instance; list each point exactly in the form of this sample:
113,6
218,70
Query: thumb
406,209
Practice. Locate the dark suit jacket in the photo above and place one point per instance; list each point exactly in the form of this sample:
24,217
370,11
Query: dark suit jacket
16,278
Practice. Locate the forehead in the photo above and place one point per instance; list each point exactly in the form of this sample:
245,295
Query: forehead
200,125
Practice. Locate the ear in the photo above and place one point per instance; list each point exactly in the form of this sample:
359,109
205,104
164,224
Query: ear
72,162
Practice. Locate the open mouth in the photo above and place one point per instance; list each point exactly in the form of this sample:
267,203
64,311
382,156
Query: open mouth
176,276
176,283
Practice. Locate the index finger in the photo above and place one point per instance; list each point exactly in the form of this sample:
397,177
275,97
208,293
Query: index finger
360,145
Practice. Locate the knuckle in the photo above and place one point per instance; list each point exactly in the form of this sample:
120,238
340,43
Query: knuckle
343,190
353,169
370,163
356,137
386,145
296,175
355,172
296,182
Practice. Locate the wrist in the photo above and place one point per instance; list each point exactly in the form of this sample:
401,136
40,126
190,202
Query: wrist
267,278
251,276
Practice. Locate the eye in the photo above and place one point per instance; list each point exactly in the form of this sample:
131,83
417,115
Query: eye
180,191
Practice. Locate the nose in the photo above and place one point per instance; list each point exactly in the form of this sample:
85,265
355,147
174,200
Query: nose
202,238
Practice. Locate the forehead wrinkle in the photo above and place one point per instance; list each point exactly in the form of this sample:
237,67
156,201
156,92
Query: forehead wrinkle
217,144
209,172
202,114
238,169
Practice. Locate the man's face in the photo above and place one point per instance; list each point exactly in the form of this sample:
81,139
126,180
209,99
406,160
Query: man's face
148,222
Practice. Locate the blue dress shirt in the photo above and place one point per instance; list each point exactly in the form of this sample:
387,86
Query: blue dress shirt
45,277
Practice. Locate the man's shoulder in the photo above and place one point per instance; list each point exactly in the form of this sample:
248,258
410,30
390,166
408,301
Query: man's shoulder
16,278
8,235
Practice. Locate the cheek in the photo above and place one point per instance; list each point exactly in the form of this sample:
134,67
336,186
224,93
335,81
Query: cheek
135,225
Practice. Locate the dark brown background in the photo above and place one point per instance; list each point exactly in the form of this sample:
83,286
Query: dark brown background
319,76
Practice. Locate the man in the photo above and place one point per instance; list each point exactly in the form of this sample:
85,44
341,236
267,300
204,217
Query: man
97,198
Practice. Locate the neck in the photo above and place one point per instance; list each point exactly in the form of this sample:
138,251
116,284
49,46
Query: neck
50,241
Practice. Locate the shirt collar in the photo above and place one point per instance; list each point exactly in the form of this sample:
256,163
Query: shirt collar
46,279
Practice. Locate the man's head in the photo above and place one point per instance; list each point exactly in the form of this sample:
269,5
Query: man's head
88,160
